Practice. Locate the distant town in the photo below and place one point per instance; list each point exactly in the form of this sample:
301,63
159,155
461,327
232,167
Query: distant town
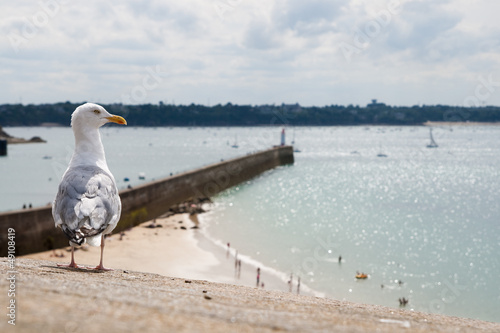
161,114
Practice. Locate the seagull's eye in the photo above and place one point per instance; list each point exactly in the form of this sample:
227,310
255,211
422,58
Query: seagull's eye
97,111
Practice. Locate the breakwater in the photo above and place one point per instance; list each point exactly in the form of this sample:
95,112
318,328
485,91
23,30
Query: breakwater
35,229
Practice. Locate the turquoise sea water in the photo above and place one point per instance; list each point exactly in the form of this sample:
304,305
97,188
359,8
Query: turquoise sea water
429,218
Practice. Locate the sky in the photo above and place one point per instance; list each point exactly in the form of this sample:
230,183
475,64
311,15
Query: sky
314,52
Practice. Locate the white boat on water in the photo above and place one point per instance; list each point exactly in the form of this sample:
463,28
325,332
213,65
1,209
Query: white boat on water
295,149
433,143
381,154
235,142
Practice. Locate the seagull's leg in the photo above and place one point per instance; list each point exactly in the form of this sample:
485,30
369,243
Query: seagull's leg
72,264
101,266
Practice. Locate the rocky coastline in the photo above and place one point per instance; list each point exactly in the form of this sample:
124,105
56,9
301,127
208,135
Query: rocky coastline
13,140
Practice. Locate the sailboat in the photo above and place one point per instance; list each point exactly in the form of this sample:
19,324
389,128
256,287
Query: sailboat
433,143
235,142
295,149
381,154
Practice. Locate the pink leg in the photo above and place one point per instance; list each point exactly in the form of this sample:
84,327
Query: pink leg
101,266
72,264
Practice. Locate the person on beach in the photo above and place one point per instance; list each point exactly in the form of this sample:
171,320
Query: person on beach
258,276
290,282
236,263
239,268
340,259
298,286
227,252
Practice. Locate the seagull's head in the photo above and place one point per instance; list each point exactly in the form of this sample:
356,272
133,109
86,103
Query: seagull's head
94,116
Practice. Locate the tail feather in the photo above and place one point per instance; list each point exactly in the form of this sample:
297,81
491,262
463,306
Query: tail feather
74,237
79,235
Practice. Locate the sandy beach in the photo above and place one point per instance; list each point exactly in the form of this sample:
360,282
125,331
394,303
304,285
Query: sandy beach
174,247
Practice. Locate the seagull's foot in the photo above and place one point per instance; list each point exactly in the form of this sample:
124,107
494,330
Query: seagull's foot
101,268
70,265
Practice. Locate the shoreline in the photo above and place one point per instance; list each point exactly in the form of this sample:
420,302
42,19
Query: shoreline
418,124
272,278
13,140
173,246
460,123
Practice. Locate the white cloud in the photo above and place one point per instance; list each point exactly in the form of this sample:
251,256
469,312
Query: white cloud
261,35
313,17
261,51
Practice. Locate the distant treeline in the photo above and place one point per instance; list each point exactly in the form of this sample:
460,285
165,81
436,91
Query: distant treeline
246,115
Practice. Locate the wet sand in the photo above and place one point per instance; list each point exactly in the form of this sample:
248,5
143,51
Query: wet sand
173,248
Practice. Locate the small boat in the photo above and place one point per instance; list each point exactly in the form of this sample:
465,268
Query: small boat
235,142
295,149
381,154
142,175
433,143
361,276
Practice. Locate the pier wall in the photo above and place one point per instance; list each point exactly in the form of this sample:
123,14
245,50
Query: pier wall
35,231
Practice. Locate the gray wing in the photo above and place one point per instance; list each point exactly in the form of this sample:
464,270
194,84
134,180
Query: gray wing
87,203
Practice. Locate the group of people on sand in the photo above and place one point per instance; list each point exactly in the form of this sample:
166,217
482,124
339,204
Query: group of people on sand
258,282
237,266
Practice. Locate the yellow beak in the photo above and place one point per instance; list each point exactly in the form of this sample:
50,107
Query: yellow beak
117,119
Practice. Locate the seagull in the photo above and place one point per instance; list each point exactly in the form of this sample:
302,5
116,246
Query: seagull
87,205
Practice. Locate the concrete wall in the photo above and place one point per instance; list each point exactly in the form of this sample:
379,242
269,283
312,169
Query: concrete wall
35,229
